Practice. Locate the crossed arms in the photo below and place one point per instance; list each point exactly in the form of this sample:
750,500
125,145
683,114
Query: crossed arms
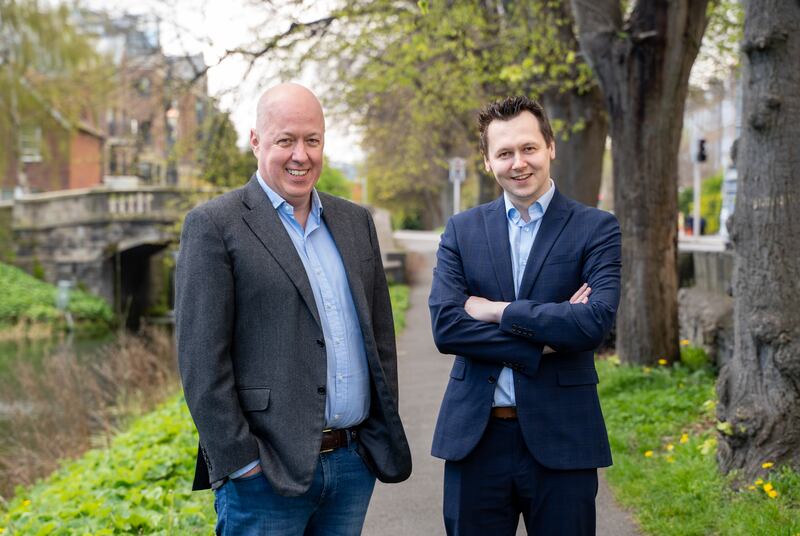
503,332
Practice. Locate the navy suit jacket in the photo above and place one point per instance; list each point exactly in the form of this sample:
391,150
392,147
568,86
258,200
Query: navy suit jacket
556,393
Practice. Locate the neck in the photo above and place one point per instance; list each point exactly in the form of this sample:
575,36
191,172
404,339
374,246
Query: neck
301,210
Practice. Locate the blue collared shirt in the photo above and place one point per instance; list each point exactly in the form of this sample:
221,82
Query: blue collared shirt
347,401
521,235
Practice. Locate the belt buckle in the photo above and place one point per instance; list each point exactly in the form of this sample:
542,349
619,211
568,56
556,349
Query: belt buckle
326,450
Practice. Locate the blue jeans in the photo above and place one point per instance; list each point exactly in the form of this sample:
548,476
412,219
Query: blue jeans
334,505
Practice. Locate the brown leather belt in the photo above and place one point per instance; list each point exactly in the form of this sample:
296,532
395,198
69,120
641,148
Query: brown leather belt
334,439
505,412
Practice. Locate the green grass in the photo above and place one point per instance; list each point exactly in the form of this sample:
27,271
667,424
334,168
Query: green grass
399,297
24,298
140,484
662,430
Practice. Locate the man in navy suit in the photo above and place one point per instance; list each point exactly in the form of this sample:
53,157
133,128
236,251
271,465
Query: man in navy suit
525,289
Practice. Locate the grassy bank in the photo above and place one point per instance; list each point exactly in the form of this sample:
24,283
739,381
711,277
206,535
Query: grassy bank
140,484
28,307
662,430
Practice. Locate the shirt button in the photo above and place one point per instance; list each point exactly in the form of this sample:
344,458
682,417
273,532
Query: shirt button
336,417
321,390
492,379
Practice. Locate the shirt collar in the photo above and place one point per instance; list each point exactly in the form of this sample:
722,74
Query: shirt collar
535,211
277,200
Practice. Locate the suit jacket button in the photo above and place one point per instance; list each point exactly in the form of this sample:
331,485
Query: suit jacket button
321,390
320,343
492,379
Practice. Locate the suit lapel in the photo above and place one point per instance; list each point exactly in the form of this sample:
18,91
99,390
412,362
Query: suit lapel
263,220
553,223
496,224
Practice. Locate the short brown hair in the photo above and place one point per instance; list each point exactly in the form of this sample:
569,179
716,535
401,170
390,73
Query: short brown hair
509,108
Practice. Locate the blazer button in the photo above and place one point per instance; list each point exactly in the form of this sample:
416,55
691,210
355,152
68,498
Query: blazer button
321,390
492,379
320,343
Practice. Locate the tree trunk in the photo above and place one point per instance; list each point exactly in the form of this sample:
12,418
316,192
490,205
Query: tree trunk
759,389
643,66
578,167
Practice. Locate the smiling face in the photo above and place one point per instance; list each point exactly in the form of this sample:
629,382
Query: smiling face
519,158
288,142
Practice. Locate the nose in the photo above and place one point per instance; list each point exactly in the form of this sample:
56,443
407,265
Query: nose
299,153
519,163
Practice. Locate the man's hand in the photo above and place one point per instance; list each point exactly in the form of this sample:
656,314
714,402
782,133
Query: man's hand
255,470
582,294
485,310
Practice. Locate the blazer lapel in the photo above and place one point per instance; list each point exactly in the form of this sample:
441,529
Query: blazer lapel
496,224
553,223
265,223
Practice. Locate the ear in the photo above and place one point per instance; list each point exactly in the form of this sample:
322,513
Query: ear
486,165
553,150
254,141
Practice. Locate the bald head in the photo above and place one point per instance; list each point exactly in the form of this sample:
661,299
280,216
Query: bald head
288,142
287,98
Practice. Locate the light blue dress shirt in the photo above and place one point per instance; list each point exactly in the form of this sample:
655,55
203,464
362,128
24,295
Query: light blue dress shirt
521,236
347,400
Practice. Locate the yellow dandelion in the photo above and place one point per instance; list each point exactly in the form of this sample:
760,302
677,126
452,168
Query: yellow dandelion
662,362
758,482
772,494
670,447
684,342
648,454
767,465
646,370
768,487
670,459
26,502
684,438
751,487
2,530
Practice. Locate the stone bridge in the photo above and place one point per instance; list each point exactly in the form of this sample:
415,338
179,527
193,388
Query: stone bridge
114,242
119,243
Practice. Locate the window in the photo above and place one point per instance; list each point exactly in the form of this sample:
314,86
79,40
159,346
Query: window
30,144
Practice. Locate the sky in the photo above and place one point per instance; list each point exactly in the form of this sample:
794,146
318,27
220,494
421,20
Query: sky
212,27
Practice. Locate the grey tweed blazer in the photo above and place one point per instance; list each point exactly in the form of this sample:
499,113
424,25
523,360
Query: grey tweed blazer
250,346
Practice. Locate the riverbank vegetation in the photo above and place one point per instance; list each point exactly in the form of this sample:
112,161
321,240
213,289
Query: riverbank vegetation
58,407
28,307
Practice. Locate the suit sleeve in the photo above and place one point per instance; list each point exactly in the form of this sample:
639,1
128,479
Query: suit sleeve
382,317
204,307
456,332
576,327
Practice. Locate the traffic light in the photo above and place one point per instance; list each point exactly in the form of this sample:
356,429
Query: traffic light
701,151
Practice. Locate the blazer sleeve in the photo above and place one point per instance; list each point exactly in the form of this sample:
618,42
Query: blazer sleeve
576,327
204,318
456,332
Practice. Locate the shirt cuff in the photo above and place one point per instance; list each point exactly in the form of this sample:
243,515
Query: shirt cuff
243,470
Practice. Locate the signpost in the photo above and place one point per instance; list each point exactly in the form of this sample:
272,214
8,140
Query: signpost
458,173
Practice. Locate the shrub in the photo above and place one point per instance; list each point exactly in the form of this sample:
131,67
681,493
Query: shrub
24,298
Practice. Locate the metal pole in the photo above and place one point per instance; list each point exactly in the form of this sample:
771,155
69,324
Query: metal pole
696,212
456,197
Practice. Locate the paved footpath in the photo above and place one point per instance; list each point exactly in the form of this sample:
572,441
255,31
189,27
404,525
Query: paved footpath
413,508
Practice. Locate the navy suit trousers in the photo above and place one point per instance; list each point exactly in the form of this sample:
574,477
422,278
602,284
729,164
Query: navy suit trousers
486,492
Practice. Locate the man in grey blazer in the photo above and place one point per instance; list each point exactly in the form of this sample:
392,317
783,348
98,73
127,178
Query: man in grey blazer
286,341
